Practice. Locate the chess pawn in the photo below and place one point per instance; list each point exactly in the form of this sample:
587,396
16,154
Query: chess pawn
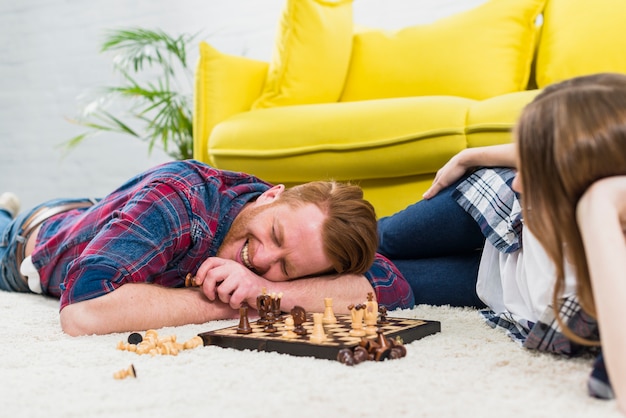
269,322
329,315
371,314
244,323
356,312
382,310
318,335
289,327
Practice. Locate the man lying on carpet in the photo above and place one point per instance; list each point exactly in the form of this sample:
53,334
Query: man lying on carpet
567,280
119,264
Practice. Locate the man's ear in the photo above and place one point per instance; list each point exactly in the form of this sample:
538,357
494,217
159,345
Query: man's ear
271,195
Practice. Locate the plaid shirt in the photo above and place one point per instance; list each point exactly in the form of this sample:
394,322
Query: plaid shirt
488,197
156,228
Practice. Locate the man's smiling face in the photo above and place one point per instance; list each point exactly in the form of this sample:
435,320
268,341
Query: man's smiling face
276,240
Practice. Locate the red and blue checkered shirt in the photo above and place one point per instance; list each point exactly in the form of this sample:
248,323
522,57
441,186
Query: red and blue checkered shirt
156,228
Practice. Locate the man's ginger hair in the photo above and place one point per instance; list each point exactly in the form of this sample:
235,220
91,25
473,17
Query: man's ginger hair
349,232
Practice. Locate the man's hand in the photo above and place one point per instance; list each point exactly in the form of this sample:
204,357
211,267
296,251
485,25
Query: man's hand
230,282
226,281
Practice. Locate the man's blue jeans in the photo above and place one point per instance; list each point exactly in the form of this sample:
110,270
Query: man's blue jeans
437,246
10,278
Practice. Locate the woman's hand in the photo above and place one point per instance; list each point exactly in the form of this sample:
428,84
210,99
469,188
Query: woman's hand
453,170
492,156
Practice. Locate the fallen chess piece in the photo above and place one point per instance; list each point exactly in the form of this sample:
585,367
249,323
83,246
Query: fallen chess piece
124,373
380,349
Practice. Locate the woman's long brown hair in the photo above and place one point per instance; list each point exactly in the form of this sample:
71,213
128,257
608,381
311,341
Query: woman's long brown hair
571,135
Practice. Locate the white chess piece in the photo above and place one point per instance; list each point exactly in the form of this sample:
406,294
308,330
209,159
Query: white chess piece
318,335
289,327
329,315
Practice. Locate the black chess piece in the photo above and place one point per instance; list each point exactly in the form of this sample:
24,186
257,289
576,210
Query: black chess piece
244,323
299,317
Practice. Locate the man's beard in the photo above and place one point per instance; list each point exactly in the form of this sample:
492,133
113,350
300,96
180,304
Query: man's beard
239,229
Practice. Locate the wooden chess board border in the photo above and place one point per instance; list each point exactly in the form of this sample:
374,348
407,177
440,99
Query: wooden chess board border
413,329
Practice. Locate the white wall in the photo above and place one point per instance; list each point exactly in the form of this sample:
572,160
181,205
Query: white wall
49,57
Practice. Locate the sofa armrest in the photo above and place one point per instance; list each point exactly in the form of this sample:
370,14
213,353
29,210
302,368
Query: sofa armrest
224,86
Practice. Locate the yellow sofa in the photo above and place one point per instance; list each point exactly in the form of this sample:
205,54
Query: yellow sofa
386,109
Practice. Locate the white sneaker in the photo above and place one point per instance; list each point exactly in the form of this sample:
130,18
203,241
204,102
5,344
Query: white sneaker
10,202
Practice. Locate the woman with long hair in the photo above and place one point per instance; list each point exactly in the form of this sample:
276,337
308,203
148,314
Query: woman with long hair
552,270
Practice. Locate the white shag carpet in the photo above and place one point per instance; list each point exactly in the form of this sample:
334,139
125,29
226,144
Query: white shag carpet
467,370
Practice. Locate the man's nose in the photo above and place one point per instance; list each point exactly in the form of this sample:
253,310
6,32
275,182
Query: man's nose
265,258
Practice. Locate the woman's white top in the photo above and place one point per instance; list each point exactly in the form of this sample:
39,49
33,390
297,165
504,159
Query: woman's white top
522,282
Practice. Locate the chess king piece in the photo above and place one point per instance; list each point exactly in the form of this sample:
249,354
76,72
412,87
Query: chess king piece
318,335
371,314
329,315
356,312
244,323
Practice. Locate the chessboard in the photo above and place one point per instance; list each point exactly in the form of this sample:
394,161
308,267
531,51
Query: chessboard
337,336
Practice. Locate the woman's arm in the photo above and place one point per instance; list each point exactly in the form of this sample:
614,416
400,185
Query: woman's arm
601,214
493,156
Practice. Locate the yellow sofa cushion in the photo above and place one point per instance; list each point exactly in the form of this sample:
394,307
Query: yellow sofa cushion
224,85
580,37
346,141
490,121
311,54
479,53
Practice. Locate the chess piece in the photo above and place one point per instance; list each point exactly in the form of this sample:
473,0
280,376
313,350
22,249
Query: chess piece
269,323
289,327
318,335
135,338
276,298
360,354
299,317
244,323
382,310
397,351
193,342
356,313
345,356
190,281
329,315
124,373
371,314
383,351
263,306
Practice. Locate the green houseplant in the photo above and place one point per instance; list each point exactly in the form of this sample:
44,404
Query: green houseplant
154,108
